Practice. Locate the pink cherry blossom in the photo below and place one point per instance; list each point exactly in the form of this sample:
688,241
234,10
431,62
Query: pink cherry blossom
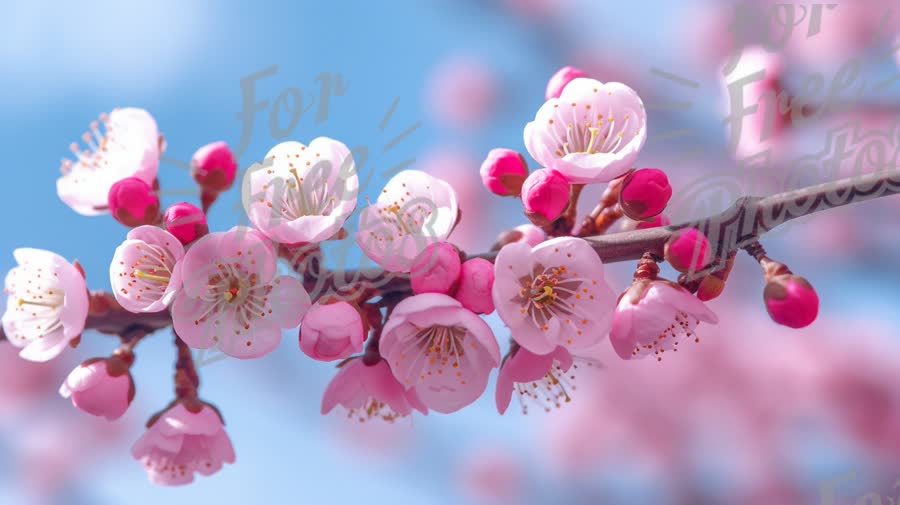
145,272
101,387
476,280
654,316
545,193
213,167
413,211
47,304
503,172
185,222
592,133
332,331
182,442
553,294
436,270
232,298
302,193
440,349
560,79
129,147
369,391
539,378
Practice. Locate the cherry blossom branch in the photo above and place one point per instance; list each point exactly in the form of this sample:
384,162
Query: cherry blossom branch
743,223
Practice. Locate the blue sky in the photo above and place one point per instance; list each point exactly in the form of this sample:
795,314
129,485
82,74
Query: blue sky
63,63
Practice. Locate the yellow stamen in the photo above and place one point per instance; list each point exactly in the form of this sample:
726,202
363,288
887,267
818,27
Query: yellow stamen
151,277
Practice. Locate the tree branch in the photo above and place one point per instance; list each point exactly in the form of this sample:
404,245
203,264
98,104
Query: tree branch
741,224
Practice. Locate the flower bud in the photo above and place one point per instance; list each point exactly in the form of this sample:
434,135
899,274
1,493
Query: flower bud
101,387
688,250
710,287
503,172
133,202
332,331
476,279
791,300
186,222
213,168
656,222
545,194
645,194
436,269
560,79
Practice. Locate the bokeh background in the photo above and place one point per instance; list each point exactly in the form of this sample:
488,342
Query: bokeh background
754,414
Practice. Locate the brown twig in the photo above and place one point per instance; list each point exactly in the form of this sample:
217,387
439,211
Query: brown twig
743,223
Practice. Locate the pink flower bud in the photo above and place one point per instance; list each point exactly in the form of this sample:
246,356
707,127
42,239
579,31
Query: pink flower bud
101,387
503,172
645,194
688,250
186,222
545,193
133,202
656,222
436,270
476,281
332,331
213,167
791,301
559,80
531,234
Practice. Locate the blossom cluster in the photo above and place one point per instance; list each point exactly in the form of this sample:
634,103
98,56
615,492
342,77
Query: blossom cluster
424,345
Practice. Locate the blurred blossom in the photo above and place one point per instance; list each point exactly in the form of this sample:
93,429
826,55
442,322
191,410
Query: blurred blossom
539,10
22,383
491,476
847,29
462,92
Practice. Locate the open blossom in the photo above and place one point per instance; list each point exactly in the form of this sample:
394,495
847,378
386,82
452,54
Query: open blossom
128,147
553,294
182,442
370,391
232,298
413,211
145,272
101,387
655,316
539,378
440,349
302,193
332,331
592,133
47,305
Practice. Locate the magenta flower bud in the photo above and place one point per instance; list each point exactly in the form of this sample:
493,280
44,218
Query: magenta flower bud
560,79
656,222
213,167
436,269
791,301
545,193
186,222
688,250
476,280
133,202
645,194
503,172
101,387
332,331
